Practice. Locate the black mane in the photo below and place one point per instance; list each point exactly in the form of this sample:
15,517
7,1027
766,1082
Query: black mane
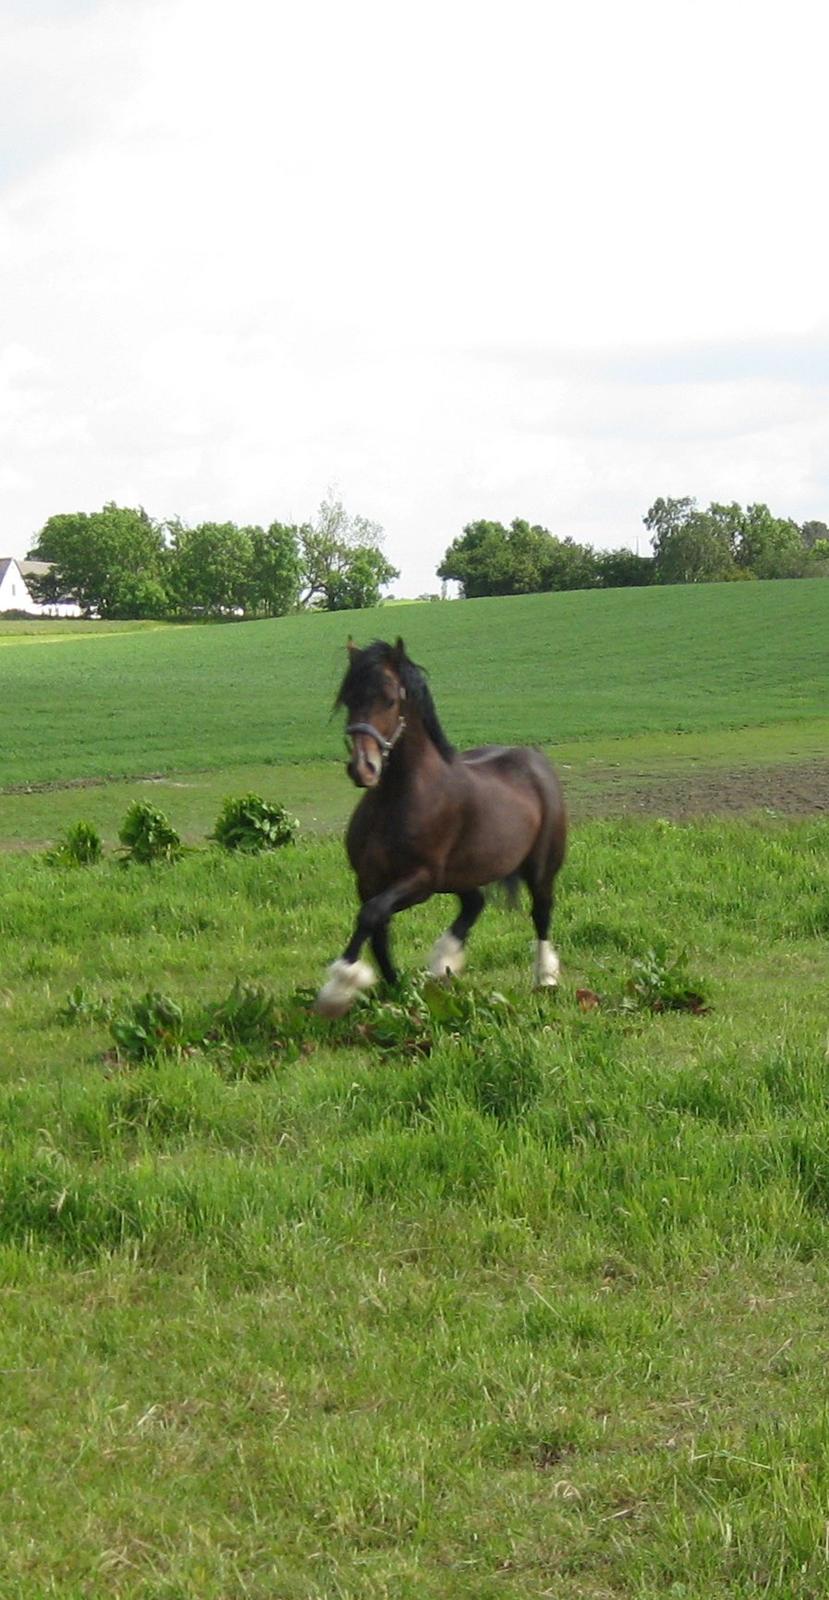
363,683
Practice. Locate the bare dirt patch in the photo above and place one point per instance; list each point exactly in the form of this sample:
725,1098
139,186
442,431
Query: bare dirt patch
796,789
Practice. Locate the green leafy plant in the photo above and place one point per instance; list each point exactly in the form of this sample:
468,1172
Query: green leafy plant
151,1026
421,1011
661,983
252,824
147,835
79,846
247,1016
81,1006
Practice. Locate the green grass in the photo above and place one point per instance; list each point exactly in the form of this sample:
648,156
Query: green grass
346,1323
619,686
598,774
539,1310
550,669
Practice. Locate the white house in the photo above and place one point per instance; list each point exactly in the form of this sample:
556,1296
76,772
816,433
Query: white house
15,594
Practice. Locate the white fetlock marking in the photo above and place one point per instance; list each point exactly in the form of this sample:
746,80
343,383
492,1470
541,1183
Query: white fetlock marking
345,980
448,956
547,966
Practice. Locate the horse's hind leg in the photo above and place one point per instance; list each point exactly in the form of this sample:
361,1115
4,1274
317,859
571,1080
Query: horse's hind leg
540,884
547,965
448,953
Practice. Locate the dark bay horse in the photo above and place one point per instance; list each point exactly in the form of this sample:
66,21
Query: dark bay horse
436,821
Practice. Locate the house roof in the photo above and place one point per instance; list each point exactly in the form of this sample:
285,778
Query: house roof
5,563
35,569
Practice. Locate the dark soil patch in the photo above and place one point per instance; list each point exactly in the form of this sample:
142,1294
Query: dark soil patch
793,790
52,785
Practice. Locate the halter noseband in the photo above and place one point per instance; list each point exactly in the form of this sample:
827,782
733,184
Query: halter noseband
384,745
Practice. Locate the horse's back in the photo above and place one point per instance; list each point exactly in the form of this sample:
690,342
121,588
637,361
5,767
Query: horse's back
516,761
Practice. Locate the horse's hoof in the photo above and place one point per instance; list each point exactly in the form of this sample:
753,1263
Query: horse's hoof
448,956
345,981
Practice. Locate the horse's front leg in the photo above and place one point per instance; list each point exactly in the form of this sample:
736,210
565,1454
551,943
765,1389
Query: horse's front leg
349,975
449,953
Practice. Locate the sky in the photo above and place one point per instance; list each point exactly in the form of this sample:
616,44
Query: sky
451,260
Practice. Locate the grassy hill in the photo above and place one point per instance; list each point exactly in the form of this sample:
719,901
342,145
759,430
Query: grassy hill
85,701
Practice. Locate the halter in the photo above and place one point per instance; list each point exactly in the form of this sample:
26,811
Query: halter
385,746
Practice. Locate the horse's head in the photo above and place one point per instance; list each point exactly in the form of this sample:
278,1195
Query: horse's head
374,695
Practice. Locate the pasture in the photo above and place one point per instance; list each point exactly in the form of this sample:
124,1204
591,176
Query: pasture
526,1300
619,685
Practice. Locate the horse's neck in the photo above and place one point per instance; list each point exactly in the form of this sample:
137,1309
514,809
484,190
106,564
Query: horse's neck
414,751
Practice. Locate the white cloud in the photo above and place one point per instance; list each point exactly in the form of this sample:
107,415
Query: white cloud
544,261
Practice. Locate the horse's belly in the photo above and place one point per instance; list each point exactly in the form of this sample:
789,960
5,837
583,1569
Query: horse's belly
492,850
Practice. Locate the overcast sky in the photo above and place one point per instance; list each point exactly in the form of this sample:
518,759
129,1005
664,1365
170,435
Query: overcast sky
458,259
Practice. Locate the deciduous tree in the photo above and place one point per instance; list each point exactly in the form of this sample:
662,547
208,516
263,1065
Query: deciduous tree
112,561
275,570
341,560
623,569
211,568
770,547
691,546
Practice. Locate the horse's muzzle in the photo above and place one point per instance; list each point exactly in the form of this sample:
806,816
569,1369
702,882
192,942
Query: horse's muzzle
364,768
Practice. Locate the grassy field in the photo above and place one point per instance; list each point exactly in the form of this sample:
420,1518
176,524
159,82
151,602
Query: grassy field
542,1311
615,684
548,668
497,1294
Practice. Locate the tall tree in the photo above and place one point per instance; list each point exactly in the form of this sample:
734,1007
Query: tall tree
477,560
569,565
341,560
112,561
488,559
275,570
211,568
771,547
691,546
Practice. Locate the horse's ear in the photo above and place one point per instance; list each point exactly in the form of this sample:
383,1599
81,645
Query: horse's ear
399,650
351,647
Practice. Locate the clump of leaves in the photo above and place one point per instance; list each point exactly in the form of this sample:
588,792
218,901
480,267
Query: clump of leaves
81,1006
252,824
147,835
422,1010
151,1026
79,846
661,983
250,1030
247,1016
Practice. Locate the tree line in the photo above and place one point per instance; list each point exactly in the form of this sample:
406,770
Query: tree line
689,545
120,562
